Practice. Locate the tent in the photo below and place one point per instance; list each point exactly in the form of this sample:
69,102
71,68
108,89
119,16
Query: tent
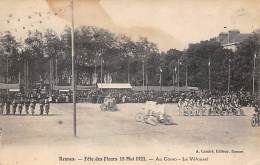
114,86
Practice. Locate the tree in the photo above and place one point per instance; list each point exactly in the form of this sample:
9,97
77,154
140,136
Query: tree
35,48
170,63
9,47
201,55
242,71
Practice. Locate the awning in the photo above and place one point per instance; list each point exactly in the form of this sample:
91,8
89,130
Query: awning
14,90
64,90
9,86
114,86
79,87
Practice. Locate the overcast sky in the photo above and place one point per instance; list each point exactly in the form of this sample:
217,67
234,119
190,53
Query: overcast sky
169,23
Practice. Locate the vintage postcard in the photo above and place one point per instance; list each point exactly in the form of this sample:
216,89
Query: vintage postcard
129,82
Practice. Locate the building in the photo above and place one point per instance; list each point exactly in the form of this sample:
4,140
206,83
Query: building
231,39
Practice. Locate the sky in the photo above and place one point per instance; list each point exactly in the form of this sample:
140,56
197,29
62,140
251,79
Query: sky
168,23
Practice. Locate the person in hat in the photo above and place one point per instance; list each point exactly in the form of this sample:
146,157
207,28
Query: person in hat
2,104
14,106
41,106
20,106
47,106
27,105
32,106
7,106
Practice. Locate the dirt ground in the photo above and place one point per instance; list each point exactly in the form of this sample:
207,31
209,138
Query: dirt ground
43,139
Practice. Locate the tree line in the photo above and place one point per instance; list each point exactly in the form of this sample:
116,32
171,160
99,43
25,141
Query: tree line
45,58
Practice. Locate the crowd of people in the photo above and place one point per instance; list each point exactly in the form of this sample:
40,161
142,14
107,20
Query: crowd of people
213,104
131,96
189,102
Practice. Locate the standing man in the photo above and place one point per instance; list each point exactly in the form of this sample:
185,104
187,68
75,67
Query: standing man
47,106
32,105
27,105
2,104
14,106
20,106
7,106
41,106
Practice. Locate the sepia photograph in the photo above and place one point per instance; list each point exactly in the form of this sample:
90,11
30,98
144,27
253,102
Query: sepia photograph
129,82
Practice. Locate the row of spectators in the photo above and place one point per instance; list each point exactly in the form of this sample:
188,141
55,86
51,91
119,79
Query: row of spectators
131,96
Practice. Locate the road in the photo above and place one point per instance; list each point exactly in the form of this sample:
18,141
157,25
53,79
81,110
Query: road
114,133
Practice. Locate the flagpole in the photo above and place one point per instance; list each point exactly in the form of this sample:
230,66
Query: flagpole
73,71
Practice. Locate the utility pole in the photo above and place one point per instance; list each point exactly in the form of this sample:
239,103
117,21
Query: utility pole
73,71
